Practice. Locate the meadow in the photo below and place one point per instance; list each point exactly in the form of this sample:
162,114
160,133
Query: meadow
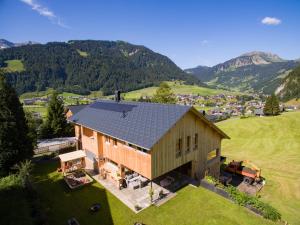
14,66
177,88
273,144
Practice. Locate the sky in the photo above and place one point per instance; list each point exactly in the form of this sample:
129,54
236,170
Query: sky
190,33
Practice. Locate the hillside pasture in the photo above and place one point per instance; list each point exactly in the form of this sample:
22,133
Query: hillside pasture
178,88
14,65
273,144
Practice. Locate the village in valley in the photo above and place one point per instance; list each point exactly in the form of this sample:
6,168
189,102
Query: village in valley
216,107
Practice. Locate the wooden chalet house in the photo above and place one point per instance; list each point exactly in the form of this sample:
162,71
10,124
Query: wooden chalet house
149,139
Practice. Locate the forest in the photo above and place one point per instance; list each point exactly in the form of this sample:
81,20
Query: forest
84,66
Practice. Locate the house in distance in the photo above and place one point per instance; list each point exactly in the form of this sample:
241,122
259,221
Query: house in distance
148,139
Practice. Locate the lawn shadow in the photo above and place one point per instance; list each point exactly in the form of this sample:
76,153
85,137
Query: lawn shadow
61,203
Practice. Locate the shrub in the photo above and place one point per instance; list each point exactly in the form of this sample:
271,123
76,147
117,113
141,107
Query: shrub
9,182
243,199
211,180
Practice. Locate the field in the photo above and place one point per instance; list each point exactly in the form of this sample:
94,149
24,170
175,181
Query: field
82,53
191,205
40,109
294,102
177,88
273,144
14,66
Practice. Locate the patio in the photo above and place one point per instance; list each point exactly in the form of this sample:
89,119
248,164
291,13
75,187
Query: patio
136,199
164,188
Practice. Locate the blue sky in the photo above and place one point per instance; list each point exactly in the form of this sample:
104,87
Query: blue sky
189,32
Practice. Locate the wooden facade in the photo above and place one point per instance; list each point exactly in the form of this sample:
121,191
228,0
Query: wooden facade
193,134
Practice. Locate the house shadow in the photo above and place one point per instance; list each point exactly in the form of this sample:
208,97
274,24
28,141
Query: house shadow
61,203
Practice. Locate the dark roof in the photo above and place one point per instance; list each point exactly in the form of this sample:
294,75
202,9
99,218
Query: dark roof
76,108
139,123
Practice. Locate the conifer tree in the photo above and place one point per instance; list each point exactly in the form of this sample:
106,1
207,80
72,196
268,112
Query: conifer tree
164,94
15,143
56,123
272,106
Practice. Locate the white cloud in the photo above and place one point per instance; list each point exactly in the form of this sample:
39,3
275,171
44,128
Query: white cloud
271,21
204,42
43,11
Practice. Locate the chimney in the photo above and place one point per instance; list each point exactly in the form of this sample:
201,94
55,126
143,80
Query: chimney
117,96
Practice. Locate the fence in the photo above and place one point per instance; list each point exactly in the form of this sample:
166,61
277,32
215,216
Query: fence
55,145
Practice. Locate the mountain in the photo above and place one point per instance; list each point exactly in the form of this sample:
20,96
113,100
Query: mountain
7,44
84,66
253,71
290,87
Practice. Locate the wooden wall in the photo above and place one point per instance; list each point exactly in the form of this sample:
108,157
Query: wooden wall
121,154
131,158
164,151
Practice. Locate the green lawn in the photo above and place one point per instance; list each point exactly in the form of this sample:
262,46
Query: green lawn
273,144
177,88
14,207
14,65
190,206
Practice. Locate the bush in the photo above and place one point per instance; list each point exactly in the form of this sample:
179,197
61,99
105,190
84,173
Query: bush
211,180
9,182
243,199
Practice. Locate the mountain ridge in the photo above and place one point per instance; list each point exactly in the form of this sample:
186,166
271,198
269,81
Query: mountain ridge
252,71
81,66
8,44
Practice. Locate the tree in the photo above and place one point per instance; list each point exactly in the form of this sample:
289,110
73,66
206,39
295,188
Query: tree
164,94
56,124
33,126
24,171
15,143
272,106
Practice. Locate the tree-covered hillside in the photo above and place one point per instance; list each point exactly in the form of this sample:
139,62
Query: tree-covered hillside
254,71
290,87
83,66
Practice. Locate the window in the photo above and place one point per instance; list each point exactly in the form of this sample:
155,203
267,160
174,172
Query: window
115,142
212,154
188,144
179,147
87,132
107,139
196,142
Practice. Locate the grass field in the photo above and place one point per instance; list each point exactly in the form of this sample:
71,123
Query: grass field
82,53
273,144
40,109
14,66
190,206
293,102
177,88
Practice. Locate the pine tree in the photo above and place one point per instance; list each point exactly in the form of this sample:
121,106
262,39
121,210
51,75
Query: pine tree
15,143
272,106
56,124
164,94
